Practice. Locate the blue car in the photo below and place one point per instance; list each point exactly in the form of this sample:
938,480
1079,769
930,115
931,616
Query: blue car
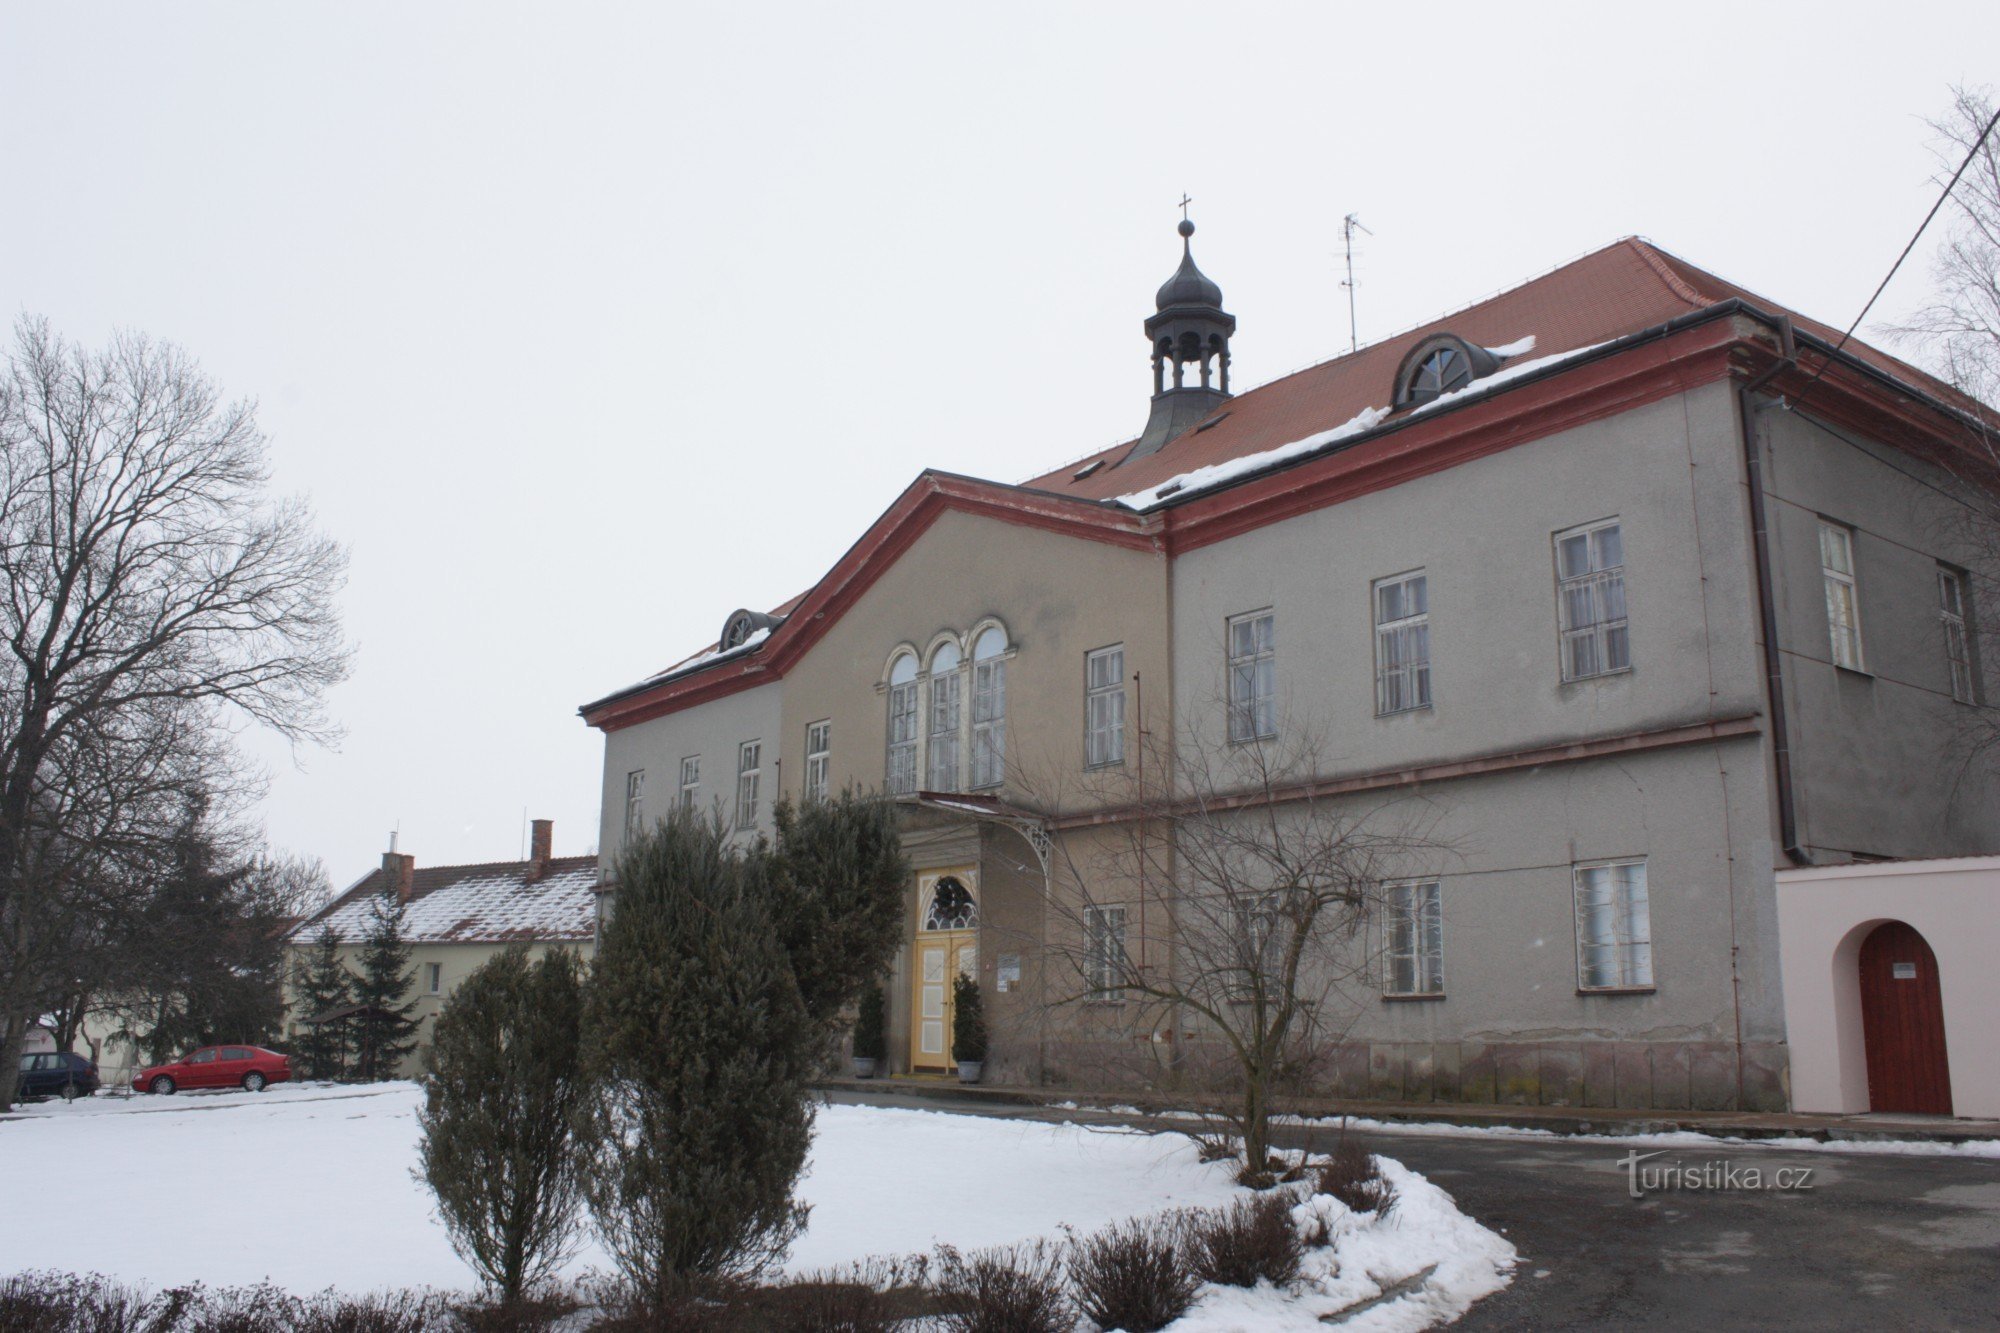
61,1074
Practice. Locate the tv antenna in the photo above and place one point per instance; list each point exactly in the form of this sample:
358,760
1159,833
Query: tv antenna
1348,226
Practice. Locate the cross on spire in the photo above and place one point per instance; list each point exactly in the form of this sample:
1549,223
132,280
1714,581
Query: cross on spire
1185,201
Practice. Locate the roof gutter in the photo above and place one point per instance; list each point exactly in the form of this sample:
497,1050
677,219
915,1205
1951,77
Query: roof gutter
1767,606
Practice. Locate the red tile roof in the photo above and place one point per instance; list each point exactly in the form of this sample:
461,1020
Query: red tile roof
477,904
1627,286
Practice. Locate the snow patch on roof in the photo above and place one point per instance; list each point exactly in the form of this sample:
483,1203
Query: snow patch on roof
753,641
492,903
1217,474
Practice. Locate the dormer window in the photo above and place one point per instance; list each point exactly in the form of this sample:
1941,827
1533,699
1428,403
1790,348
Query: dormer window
1440,365
736,630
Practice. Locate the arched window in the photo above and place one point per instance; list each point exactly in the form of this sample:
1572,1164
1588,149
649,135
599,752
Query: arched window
903,724
947,686
989,707
951,907
1441,364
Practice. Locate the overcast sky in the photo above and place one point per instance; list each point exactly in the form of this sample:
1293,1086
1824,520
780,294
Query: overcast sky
582,325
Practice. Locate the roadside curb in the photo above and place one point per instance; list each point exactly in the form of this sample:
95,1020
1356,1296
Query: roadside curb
1567,1122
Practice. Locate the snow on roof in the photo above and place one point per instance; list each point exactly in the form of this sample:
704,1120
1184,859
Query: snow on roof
1367,419
474,904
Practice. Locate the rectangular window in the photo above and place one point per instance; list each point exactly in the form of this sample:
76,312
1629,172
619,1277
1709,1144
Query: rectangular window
1253,677
819,758
1104,707
635,802
989,722
903,738
1104,952
434,978
1402,643
1614,935
1590,601
945,689
1843,602
1413,940
749,772
1957,645
690,781
1260,946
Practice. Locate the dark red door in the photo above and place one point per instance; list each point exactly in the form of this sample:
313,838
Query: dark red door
1902,1023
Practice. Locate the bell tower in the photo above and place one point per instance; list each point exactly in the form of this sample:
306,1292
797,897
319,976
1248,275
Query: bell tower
1189,333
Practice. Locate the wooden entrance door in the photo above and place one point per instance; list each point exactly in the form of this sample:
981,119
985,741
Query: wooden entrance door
947,945
1902,1023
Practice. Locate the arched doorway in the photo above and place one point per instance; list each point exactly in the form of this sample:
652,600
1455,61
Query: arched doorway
1902,1022
947,944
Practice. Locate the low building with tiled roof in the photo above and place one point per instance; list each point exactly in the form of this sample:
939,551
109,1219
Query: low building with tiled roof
457,917
1646,585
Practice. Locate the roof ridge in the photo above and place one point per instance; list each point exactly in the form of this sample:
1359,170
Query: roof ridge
1655,259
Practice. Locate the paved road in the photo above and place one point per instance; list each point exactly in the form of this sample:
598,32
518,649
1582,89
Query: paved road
1877,1242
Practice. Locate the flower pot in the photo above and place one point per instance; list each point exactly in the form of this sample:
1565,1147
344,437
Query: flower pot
968,1070
863,1067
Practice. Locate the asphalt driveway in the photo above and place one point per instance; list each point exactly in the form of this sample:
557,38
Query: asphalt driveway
1873,1241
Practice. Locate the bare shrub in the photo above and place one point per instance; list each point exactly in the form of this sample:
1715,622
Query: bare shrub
1136,1275
1017,1290
1251,1239
1352,1175
66,1303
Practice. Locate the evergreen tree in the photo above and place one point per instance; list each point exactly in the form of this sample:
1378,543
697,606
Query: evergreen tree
838,903
385,1026
323,984
501,1091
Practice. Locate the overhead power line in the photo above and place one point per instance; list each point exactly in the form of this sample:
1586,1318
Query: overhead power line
1950,185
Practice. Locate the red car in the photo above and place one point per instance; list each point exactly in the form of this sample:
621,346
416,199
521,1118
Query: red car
251,1068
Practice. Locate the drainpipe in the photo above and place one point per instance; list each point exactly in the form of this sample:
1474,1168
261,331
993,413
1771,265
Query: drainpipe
1760,534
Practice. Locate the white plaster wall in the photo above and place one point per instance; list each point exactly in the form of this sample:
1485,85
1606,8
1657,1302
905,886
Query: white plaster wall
1823,915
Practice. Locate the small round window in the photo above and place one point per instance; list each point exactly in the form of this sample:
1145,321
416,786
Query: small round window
951,907
1441,364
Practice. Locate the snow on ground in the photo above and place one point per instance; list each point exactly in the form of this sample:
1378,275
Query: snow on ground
1672,1138
310,1186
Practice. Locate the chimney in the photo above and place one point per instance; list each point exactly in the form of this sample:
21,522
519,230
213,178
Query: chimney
540,843
399,869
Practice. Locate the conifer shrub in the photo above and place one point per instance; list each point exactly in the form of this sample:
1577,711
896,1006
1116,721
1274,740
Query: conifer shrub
968,1019
1134,1276
871,1040
503,1089
722,979
1250,1239
385,1029
323,985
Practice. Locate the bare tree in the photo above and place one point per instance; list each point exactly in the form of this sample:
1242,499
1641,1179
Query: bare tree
1210,909
150,589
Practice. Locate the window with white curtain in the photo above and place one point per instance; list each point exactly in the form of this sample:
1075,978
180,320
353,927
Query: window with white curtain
690,781
989,708
1957,645
1402,643
1104,952
1104,707
902,774
749,776
1590,601
1614,933
819,757
1843,599
1253,677
1413,939
947,686
635,802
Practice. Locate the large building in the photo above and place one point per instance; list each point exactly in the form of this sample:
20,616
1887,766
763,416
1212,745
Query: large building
1646,586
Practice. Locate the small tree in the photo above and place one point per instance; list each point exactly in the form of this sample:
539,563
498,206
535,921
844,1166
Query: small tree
698,1045
722,977
871,1040
501,1092
323,985
968,1020
385,1024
